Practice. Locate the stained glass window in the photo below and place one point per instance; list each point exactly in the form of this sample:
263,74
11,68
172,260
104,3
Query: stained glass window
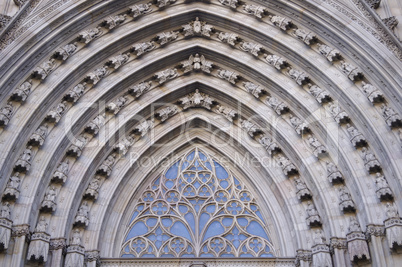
196,208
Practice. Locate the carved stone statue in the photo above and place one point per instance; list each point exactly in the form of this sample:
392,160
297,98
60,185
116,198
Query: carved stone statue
313,219
391,117
23,163
383,190
276,105
299,126
38,137
353,73
307,37
370,161
229,38
56,113
63,53
318,148
75,149
356,138
49,202
144,127
142,48
250,47
196,99
12,190
229,113
357,244
41,227
139,89
333,174
166,37
60,175
163,3
92,191
340,116
117,61
302,192
393,226
270,146
258,11
95,76
112,22
301,78
345,201
167,112
5,210
276,61
282,23
94,126
287,166
250,127
74,94
106,167
319,237
230,3
320,95
116,106
196,63
372,93
391,212
354,225
168,74
391,22
82,218
89,35
253,89
140,9
44,69
197,28
76,237
22,92
374,4
330,53
228,75
5,114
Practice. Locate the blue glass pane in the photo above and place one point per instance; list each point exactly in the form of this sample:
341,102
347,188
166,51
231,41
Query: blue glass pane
127,256
221,173
227,222
151,222
259,215
190,220
242,221
172,172
148,256
138,229
214,229
180,229
256,229
202,156
227,256
166,222
266,255
188,255
203,220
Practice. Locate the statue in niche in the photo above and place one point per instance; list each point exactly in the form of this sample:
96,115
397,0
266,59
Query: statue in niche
196,63
117,61
250,47
89,35
95,76
44,69
51,194
279,107
372,93
93,188
230,3
370,161
354,225
167,112
24,161
82,218
307,37
299,126
281,22
55,113
141,9
5,113
391,117
258,11
330,53
60,175
75,238
319,237
144,127
168,74
5,210
197,28
320,95
116,106
113,21
316,145
42,225
391,212
166,37
139,89
228,75
38,137
74,94
22,91
276,61
78,145
230,38
63,53
142,48
253,89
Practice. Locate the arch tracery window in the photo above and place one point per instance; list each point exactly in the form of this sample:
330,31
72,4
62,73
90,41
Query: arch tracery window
196,208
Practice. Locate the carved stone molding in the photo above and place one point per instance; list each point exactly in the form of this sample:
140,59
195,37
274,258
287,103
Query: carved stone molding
338,243
57,243
374,230
302,257
21,230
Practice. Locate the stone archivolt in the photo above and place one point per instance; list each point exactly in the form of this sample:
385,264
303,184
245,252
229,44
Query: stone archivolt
205,65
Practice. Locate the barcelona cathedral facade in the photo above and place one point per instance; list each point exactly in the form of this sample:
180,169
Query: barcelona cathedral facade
200,133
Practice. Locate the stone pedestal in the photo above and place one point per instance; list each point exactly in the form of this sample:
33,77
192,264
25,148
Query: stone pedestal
357,247
39,247
321,256
5,233
75,256
393,231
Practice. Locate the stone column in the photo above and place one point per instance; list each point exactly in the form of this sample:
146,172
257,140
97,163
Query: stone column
57,248
303,258
338,248
21,237
92,258
375,235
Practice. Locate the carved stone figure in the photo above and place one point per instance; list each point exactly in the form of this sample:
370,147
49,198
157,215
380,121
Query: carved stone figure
142,48
270,146
318,148
258,11
278,107
313,219
123,146
393,227
300,77
372,93
302,192
139,89
319,237
166,37
197,27
140,9
82,218
5,114
75,149
116,106
94,126
229,38
370,161
354,74
287,166
5,210
383,190
38,137
229,113
49,202
228,75
117,61
391,117
196,63
276,61
307,37
56,113
12,190
166,113
76,237
89,35
38,249
196,99
354,225
144,127
230,3
42,225
22,92
281,22
63,53
23,163
330,53
95,76
320,250
299,126
333,174
60,175
322,96
44,69
340,116
345,201
390,22
106,167
74,94
92,191
112,22
163,3
357,244
168,74
253,89
250,127
374,4
392,212
356,138
250,47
